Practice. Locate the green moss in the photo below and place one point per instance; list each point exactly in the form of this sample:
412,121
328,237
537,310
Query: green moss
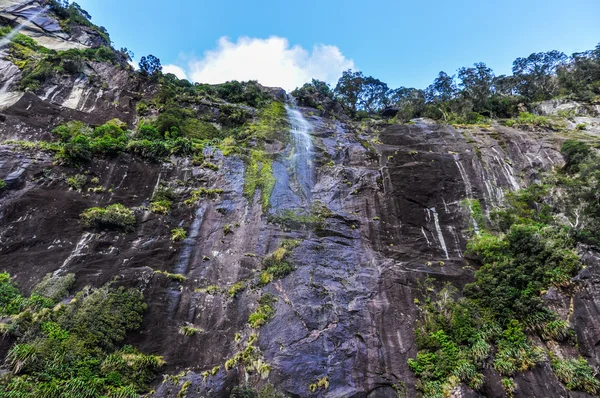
300,219
474,208
115,215
271,122
264,312
236,289
259,176
175,277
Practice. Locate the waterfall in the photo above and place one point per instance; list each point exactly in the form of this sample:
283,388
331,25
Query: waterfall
301,160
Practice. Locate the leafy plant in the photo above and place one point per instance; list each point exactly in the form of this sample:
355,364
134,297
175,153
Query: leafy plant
178,234
115,215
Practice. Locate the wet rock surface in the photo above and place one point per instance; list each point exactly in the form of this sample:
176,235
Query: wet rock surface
395,214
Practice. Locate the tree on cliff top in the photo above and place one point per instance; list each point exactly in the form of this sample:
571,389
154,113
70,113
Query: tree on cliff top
150,65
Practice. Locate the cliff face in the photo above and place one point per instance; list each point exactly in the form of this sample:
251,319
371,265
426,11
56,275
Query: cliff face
388,210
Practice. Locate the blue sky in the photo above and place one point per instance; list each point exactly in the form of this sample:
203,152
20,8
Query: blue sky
404,43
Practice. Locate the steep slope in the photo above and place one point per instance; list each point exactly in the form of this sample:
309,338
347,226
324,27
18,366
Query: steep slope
308,279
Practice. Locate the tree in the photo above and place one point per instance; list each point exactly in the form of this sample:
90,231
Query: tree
477,84
150,65
409,101
443,88
536,74
505,85
126,54
314,94
581,76
348,90
373,95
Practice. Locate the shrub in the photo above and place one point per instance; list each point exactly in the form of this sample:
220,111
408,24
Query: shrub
142,108
2,184
115,215
189,330
74,348
574,152
54,288
236,288
178,234
77,182
576,374
264,312
160,206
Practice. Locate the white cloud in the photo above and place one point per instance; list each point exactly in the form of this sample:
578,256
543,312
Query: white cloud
176,70
273,62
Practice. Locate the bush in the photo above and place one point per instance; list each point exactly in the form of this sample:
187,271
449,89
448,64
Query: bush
161,207
115,215
54,288
576,374
264,312
178,234
77,182
2,184
574,152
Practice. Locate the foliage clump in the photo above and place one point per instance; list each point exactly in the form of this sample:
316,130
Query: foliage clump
178,234
73,348
259,176
264,312
115,215
529,247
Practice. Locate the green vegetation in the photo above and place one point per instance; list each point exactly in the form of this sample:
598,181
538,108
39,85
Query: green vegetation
162,200
202,193
272,122
264,312
175,277
178,234
576,374
189,330
472,96
2,184
71,14
529,247
236,289
322,383
115,215
38,64
528,120
259,175
160,206
293,219
277,264
73,349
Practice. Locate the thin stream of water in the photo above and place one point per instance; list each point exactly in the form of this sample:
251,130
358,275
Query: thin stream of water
302,162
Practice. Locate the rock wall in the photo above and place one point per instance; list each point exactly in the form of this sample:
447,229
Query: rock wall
346,313
396,214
